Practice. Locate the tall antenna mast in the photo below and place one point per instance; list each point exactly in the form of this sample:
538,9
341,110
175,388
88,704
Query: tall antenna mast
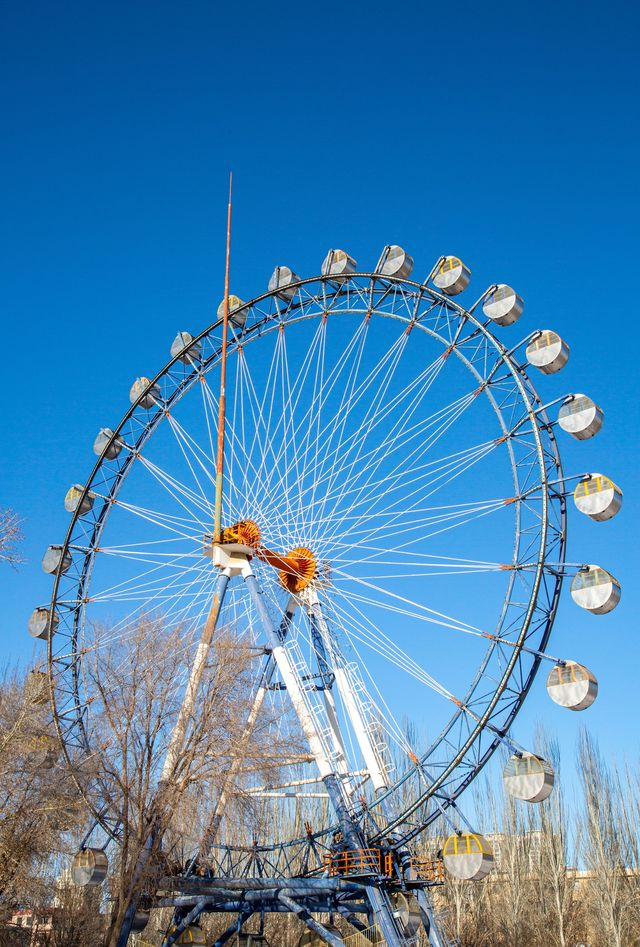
217,520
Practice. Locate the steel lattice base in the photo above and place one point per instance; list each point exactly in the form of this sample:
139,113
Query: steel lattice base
307,898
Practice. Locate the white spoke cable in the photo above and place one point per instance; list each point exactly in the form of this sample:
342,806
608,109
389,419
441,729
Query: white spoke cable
391,445
368,633
399,550
395,481
320,398
427,614
347,488
176,490
452,472
393,436
158,567
394,526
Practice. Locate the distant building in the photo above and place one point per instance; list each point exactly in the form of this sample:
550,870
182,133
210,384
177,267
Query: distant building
531,844
34,927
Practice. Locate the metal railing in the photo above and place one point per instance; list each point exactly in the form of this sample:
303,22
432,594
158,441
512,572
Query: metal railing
365,938
360,861
428,869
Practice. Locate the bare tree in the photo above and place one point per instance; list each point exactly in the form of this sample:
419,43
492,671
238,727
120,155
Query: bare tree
606,849
160,772
529,897
553,879
468,908
11,936
10,537
468,913
629,783
39,805
517,863
77,916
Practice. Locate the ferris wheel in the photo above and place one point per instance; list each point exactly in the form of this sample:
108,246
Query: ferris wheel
388,556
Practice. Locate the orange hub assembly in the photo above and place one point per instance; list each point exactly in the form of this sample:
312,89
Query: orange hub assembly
296,569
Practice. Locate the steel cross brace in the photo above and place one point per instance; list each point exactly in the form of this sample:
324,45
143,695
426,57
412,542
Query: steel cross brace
234,928
429,921
184,923
328,936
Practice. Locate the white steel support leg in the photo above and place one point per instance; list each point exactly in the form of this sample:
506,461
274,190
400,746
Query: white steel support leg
340,755
339,751
378,897
290,680
335,788
379,778
373,763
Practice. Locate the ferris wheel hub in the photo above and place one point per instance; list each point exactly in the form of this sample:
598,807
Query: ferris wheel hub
245,532
296,569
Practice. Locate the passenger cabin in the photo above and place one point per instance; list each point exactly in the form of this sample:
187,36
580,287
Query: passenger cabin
394,261
598,497
596,590
468,856
547,352
44,750
503,305
237,314
452,276
56,559
148,394
528,777
580,417
89,867
282,282
338,265
572,685
193,934
42,622
107,443
185,349
75,502
36,687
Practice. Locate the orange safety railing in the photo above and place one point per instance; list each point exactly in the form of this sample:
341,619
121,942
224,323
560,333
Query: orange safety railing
428,869
361,861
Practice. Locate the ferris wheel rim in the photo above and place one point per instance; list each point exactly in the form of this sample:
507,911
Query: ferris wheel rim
255,332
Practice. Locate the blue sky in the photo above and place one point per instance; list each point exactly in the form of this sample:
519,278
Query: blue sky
502,133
